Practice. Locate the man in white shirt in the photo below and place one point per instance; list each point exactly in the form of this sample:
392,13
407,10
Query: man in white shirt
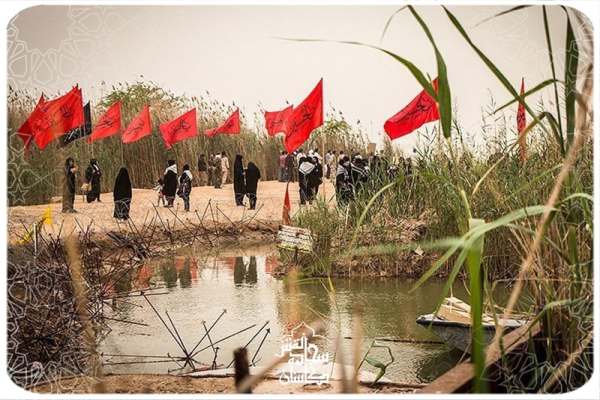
224,167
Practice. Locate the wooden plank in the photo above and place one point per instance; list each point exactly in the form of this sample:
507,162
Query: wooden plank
459,378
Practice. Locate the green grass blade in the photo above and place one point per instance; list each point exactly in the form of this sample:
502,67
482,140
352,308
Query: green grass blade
571,62
366,211
412,68
436,265
552,67
529,92
388,22
488,62
444,97
474,256
502,13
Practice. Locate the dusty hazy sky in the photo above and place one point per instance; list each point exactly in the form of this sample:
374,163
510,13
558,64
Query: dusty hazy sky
232,52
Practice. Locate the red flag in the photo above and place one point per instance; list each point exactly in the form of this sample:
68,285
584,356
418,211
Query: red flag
25,132
230,127
521,124
109,124
139,127
304,119
54,118
180,128
419,111
275,121
285,217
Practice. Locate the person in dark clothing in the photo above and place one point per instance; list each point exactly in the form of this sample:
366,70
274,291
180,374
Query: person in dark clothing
290,167
170,178
239,187
185,186
358,174
202,171
343,184
252,178
305,169
69,186
315,178
122,195
92,177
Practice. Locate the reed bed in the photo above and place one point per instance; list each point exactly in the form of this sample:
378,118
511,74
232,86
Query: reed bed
34,177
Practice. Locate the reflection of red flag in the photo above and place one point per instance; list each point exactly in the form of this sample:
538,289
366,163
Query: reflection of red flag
521,124
139,127
25,132
231,126
304,119
419,111
275,121
109,124
287,206
180,128
54,118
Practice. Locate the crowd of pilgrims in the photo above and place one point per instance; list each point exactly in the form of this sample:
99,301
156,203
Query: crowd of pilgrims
348,172
213,171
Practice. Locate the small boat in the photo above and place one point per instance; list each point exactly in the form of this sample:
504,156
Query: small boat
452,324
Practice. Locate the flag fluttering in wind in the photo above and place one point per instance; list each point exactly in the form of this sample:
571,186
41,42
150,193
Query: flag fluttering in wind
287,207
109,124
230,127
276,121
25,132
305,118
56,117
83,131
139,127
521,124
181,128
419,111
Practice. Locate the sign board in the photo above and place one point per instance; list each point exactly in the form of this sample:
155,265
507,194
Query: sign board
292,238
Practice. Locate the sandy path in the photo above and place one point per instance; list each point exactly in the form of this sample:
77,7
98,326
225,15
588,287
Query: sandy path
269,207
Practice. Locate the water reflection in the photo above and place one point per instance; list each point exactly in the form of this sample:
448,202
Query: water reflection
244,271
200,287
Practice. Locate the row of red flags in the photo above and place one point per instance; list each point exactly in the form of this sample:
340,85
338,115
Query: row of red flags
53,118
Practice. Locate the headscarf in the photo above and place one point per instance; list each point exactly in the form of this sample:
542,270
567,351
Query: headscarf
252,176
306,166
186,171
122,188
238,166
172,167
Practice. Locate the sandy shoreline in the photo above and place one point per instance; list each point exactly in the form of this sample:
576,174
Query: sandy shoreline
224,210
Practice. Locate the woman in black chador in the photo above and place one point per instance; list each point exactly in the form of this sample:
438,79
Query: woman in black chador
305,170
92,177
170,185
252,177
69,186
122,194
239,188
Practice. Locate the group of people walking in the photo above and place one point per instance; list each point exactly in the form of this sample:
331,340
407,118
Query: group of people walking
348,172
170,185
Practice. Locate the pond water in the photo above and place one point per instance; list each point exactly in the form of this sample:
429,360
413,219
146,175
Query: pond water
200,287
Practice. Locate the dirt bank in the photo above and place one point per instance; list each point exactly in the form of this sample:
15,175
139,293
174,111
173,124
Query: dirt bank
222,211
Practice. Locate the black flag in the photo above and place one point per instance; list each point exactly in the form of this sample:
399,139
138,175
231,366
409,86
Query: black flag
83,130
